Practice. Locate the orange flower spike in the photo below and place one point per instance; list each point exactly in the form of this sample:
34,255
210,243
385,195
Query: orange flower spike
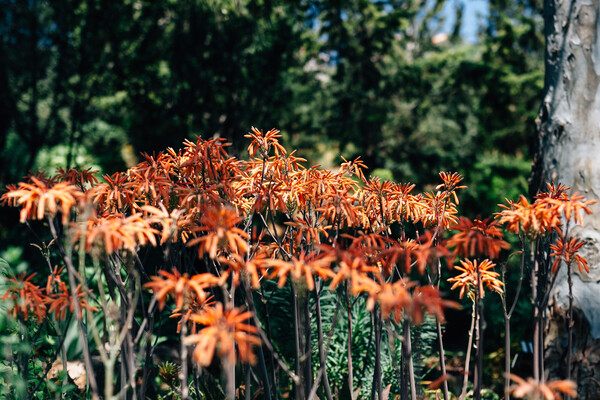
182,287
118,232
551,390
264,142
567,252
77,177
477,238
220,224
223,330
353,168
406,206
428,298
438,211
54,277
534,219
25,297
171,222
115,195
303,266
63,302
555,191
467,280
351,266
253,268
410,253
575,205
450,183
38,197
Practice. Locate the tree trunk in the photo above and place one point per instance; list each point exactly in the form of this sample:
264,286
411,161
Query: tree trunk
569,152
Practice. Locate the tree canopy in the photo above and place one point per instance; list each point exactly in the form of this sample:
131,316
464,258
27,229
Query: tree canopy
102,82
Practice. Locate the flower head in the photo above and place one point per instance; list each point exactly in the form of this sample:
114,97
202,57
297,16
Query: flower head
567,252
303,268
223,331
182,287
26,297
477,237
552,390
38,198
474,275
532,219
450,183
264,141
219,225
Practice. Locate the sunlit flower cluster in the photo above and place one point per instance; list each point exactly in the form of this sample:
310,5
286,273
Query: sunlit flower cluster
272,217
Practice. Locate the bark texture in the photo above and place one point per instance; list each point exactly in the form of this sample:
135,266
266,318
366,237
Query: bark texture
569,152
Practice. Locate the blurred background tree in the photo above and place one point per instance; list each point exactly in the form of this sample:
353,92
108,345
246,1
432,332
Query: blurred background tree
96,82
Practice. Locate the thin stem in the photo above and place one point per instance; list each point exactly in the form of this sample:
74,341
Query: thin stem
299,386
480,328
247,383
322,356
261,355
411,367
506,356
468,356
307,359
229,366
440,338
570,323
376,386
350,369
183,371
536,326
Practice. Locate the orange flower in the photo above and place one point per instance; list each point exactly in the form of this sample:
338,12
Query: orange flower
196,306
220,225
172,222
469,280
352,264
451,181
428,298
150,180
477,238
353,168
438,211
551,390
303,267
38,198
392,297
182,287
406,206
533,220
63,301
410,252
118,232
25,297
77,177
574,205
375,200
116,195
264,142
251,268
340,209
223,331
304,232
567,252
396,298
557,192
